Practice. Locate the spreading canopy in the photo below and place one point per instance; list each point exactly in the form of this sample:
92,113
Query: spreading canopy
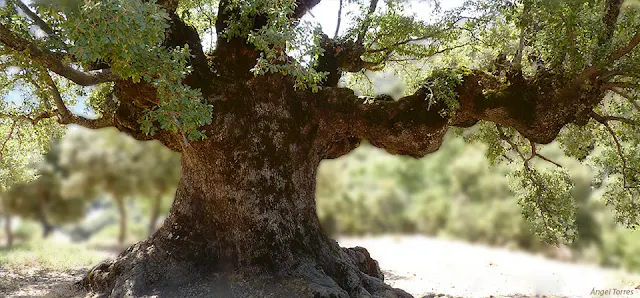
531,71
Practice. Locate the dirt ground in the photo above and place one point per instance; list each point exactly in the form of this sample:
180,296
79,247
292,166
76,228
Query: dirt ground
422,266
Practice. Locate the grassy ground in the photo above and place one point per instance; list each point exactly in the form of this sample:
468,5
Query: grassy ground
38,267
49,254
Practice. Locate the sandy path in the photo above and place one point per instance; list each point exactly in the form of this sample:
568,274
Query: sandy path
422,265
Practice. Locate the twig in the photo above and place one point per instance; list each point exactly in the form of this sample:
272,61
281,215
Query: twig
504,137
535,153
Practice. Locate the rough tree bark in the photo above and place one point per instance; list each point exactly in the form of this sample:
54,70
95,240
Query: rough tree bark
243,222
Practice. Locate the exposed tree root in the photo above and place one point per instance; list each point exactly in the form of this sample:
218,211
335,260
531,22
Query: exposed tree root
146,270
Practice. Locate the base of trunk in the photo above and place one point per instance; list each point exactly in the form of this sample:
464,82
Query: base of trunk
145,269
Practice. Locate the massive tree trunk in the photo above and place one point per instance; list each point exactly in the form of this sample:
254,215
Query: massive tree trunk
244,220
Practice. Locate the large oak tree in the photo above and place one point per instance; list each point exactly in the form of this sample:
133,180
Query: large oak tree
257,108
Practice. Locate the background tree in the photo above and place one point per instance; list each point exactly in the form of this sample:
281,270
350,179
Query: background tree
41,199
160,169
107,162
22,142
254,115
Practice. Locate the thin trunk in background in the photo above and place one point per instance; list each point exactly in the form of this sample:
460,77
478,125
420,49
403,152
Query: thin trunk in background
155,213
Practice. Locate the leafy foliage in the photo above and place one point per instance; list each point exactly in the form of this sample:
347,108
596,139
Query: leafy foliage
442,85
541,192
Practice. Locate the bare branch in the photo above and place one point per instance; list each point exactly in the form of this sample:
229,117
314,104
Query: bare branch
620,119
535,153
53,62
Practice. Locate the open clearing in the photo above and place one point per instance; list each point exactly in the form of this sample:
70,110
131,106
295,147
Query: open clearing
417,264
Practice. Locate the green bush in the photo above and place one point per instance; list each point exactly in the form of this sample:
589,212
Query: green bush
457,193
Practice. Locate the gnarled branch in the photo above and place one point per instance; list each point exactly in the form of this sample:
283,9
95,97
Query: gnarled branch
538,109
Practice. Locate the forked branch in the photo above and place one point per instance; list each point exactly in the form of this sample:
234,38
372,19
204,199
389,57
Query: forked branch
65,116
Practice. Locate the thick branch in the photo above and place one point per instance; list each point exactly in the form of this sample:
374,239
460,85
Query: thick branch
169,5
52,61
414,125
592,71
180,34
405,127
